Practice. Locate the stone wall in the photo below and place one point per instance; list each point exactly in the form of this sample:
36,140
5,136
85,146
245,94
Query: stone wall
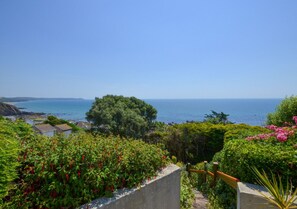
163,192
249,197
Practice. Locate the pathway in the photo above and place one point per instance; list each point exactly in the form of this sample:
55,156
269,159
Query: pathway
200,201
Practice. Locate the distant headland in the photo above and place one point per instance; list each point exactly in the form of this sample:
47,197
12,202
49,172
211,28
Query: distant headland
24,99
11,110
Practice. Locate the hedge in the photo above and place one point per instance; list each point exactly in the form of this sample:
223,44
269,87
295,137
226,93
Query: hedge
195,142
65,172
239,156
10,133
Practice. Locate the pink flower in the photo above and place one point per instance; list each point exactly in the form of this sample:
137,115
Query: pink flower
282,137
250,138
280,133
295,119
272,127
279,130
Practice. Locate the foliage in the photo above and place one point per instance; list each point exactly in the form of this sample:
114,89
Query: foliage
197,179
217,118
157,133
186,192
268,150
238,156
10,134
61,172
52,120
122,116
9,148
271,149
221,196
282,134
281,196
242,131
196,141
284,112
187,195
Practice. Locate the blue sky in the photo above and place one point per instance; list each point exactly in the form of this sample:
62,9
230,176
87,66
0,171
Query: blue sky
148,49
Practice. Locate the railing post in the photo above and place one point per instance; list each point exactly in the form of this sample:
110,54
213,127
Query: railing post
215,169
205,171
188,167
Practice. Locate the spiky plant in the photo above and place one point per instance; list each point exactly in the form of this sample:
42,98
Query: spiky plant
282,197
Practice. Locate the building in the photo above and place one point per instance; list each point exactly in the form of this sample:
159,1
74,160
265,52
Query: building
45,129
34,119
12,118
84,125
64,128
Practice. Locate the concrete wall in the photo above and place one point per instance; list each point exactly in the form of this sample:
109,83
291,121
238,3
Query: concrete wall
160,193
248,197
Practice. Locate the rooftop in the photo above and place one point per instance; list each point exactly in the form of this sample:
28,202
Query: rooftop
43,128
63,127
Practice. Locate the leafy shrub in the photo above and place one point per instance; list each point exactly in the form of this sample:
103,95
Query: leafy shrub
195,142
67,172
281,134
242,131
10,133
187,195
8,157
238,156
273,149
221,196
186,192
284,112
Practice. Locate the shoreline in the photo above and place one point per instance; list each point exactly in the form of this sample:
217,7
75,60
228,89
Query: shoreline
251,112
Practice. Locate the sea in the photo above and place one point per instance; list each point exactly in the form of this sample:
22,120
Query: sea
248,111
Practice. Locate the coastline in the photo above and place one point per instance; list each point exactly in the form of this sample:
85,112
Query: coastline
9,109
247,111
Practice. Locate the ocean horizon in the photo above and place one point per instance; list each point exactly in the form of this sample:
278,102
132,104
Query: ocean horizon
248,111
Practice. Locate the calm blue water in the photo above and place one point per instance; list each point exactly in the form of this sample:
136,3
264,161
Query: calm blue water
249,111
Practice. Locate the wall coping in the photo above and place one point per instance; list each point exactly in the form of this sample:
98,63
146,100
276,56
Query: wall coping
249,195
121,193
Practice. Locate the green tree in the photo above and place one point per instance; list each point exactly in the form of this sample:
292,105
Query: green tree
123,116
217,118
284,112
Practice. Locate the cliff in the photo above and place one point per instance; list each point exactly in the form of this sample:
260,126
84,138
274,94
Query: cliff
7,109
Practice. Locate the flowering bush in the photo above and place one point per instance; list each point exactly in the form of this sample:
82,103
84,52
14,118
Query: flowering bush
238,156
282,134
274,150
61,172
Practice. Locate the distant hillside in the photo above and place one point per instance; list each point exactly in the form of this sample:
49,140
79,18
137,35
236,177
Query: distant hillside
23,99
7,109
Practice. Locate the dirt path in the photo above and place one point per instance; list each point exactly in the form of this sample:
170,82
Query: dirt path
200,201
